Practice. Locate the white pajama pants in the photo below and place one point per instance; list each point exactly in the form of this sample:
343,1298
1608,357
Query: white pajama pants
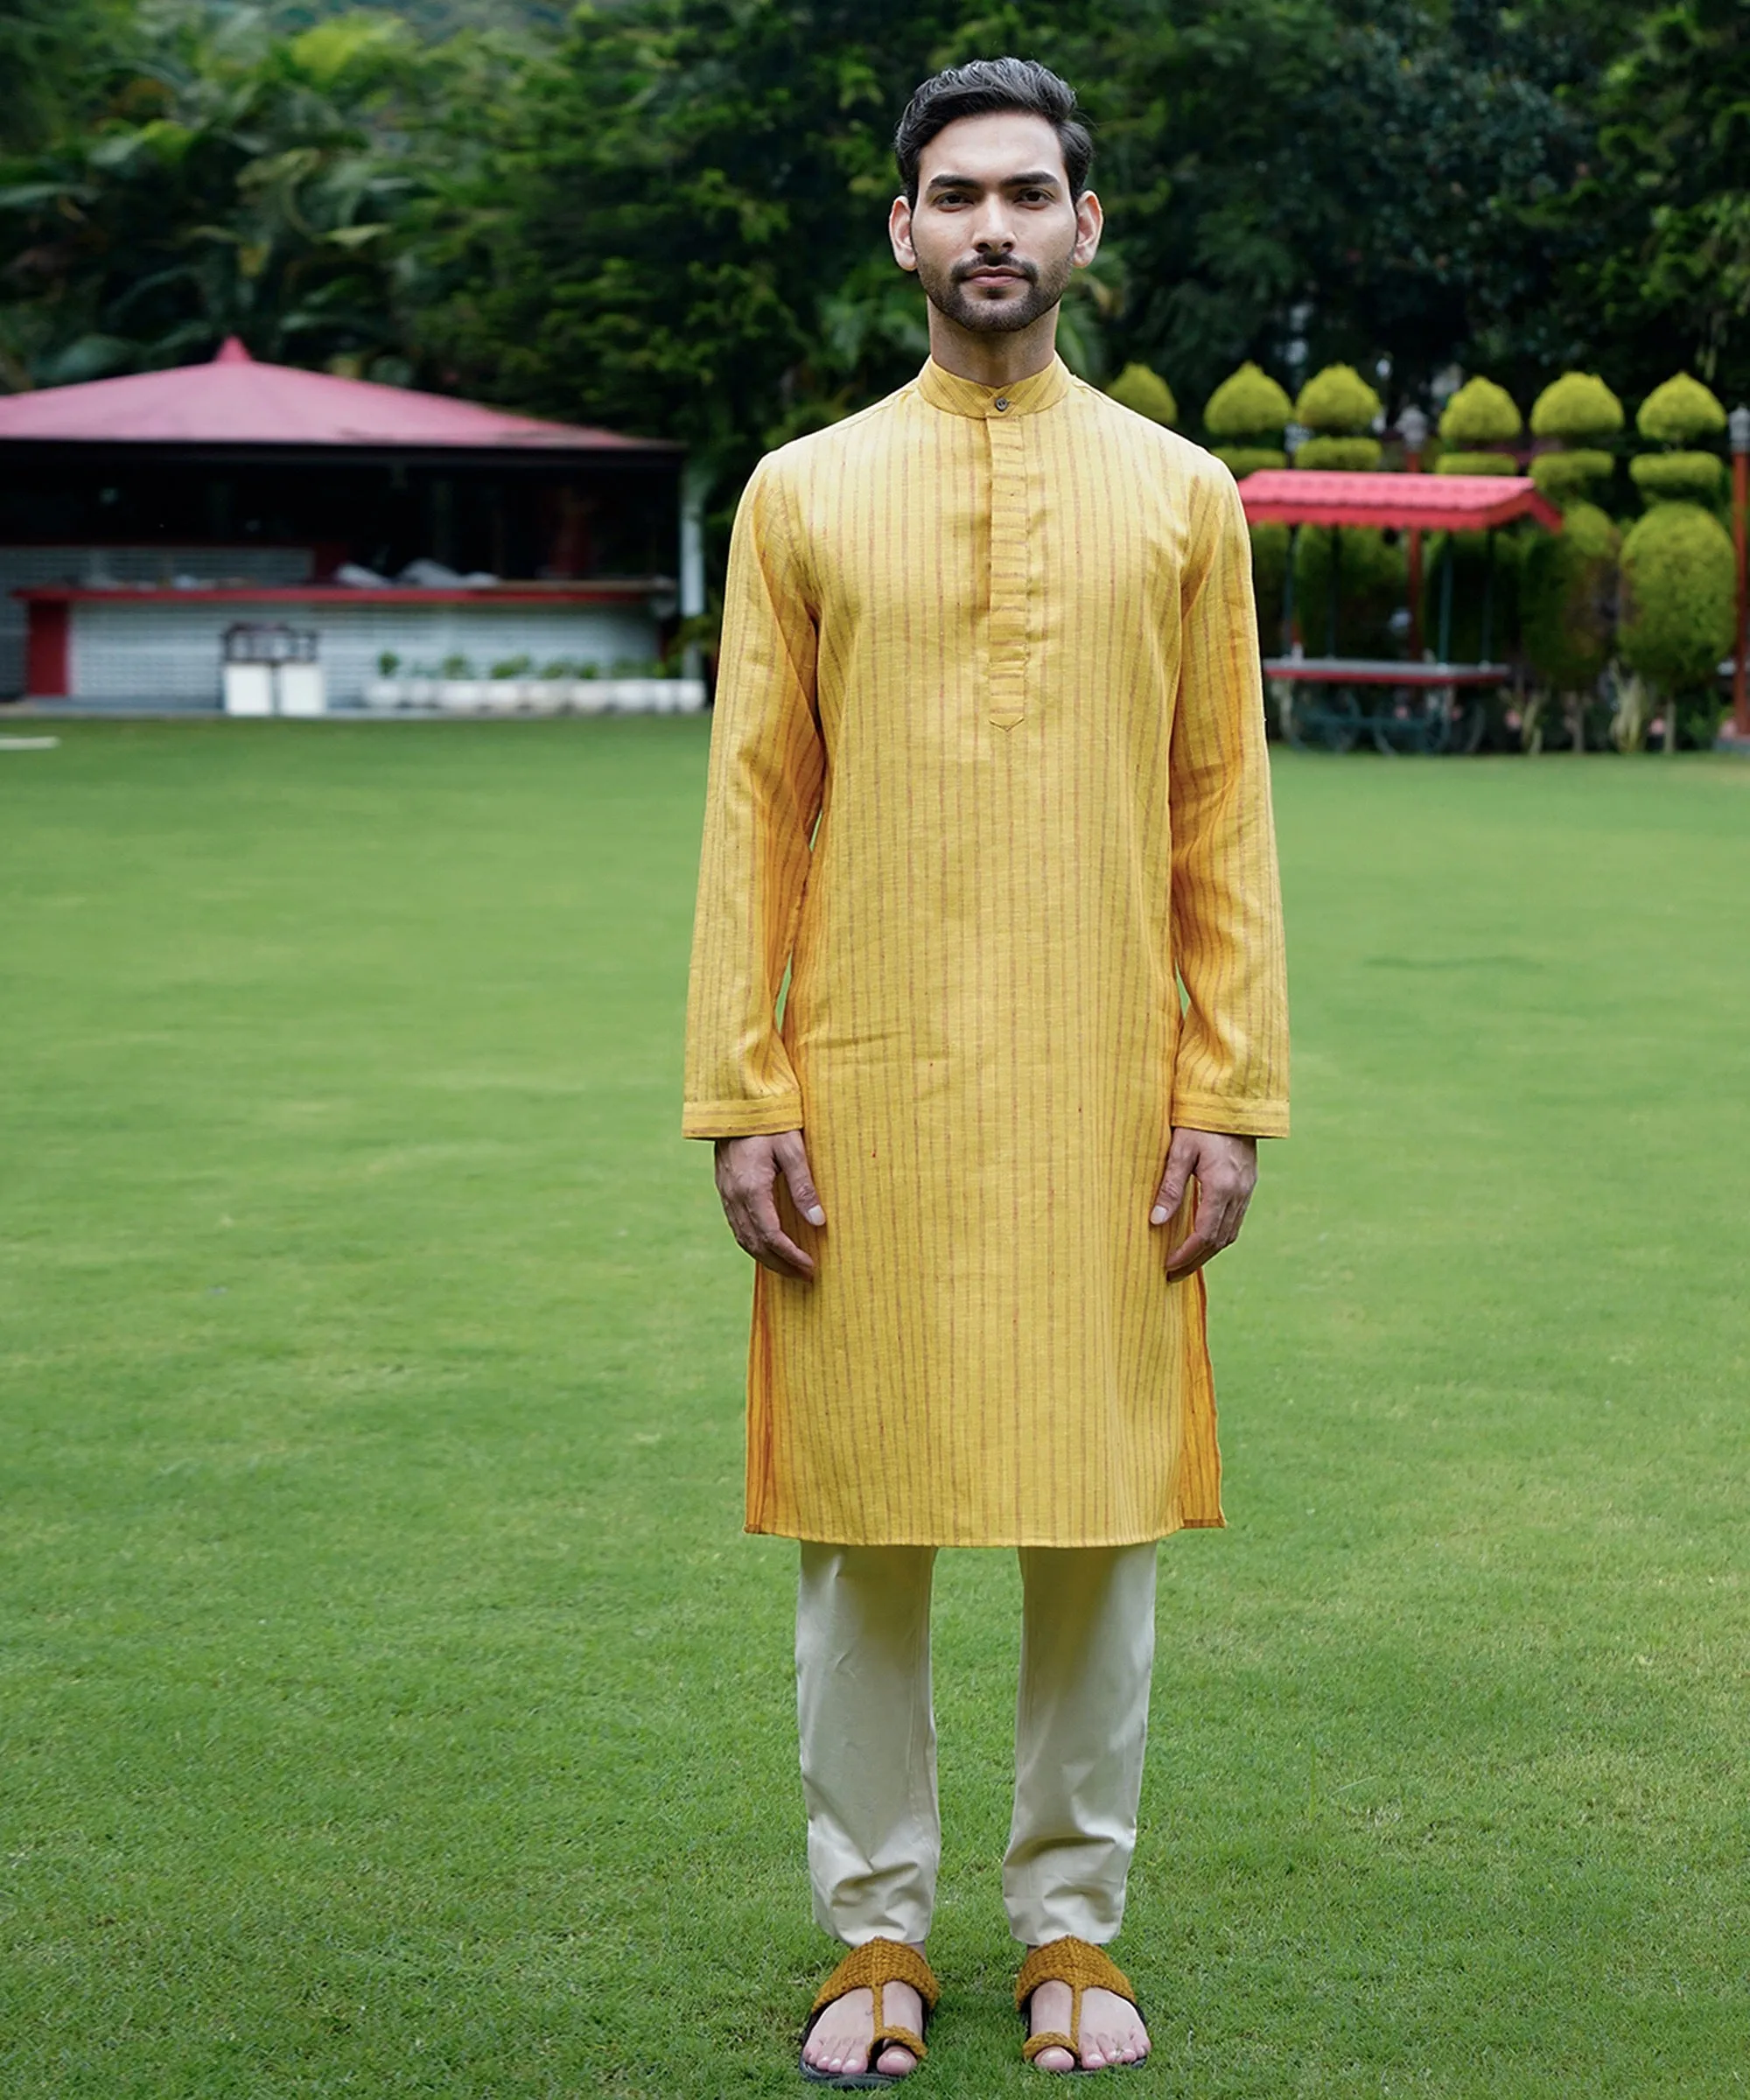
868,1739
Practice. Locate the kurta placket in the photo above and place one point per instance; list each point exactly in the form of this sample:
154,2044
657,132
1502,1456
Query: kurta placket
1011,544
989,783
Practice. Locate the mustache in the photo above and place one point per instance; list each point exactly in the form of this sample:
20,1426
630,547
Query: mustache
1022,269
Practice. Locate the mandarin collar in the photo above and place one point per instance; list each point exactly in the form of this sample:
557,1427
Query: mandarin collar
944,390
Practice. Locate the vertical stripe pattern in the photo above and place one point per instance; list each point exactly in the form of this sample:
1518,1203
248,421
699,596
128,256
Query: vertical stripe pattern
988,776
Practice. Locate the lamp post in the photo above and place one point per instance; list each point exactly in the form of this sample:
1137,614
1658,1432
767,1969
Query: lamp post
1412,428
1738,426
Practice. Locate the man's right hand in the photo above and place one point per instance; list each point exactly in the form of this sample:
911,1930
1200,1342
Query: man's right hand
748,1171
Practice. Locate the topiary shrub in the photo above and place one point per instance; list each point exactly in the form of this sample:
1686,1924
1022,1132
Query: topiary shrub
1146,393
1476,463
1680,412
1577,409
1567,608
1480,414
1677,594
1469,556
1269,574
1243,460
1678,477
1370,588
1247,404
1564,477
1338,401
1341,455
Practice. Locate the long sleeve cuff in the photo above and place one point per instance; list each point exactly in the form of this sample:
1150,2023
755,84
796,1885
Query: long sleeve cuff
1236,1117
764,1118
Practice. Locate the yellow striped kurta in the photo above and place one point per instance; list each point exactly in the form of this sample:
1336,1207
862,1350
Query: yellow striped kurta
988,776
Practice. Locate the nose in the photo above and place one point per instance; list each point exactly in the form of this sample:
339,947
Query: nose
991,235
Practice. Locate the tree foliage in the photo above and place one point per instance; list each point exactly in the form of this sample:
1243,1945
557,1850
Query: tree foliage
227,181
667,215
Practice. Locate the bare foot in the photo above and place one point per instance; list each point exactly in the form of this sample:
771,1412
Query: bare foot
1112,2029
844,2031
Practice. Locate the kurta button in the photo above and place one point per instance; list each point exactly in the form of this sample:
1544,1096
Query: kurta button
1000,406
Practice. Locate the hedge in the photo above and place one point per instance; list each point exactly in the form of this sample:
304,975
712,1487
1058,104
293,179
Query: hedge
1338,401
1678,477
1678,608
1567,598
1341,455
1576,409
1480,414
1247,404
1146,393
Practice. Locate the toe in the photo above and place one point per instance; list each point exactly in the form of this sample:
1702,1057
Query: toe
896,2062
1054,2060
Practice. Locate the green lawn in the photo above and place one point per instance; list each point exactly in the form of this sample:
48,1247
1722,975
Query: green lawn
390,1705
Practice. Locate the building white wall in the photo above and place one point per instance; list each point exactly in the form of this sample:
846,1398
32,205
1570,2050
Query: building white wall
21,567
168,656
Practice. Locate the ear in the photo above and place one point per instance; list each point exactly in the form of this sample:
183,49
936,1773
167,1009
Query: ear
1089,220
899,232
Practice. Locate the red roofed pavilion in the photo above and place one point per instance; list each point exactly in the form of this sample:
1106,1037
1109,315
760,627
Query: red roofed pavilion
237,401
142,517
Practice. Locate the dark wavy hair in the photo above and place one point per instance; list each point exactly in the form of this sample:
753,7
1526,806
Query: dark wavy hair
980,89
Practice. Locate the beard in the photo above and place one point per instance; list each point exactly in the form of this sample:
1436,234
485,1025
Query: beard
949,294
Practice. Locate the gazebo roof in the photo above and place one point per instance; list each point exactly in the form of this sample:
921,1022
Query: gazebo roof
237,400
1279,495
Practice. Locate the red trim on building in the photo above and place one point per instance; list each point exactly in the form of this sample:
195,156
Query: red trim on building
47,674
622,592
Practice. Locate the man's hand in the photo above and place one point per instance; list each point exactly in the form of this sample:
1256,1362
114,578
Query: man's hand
748,1170
1227,1172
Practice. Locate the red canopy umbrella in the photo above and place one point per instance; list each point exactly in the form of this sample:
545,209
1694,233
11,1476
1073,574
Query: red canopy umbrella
236,400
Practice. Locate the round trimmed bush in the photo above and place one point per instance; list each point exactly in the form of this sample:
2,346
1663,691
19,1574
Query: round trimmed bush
1341,455
1678,607
1567,598
1680,412
1269,574
1243,460
1578,408
1338,401
1469,556
1248,403
1564,477
1146,393
1480,414
1370,588
1476,463
1678,477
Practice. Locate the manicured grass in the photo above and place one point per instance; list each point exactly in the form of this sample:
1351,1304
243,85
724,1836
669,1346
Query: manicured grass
390,1705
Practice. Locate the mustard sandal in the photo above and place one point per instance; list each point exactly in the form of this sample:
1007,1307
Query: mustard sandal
868,1968
1084,1967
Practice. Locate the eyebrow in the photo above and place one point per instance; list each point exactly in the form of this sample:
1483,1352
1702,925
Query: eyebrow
1037,178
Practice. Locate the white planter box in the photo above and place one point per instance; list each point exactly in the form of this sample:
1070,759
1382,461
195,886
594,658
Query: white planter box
535,696
300,688
248,689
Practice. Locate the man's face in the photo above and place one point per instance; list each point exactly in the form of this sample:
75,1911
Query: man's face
994,235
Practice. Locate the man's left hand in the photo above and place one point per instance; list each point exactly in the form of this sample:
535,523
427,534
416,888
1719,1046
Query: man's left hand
1226,1168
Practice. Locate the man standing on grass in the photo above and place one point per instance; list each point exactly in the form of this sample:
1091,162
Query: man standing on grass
989,781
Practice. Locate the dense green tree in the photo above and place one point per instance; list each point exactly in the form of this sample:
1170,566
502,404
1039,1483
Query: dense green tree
1317,179
229,181
1667,201
684,230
